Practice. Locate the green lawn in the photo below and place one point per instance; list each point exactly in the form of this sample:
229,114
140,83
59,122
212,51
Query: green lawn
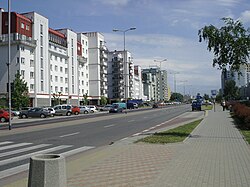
246,134
173,135
208,107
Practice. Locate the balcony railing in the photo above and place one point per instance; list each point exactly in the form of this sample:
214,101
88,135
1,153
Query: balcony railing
17,38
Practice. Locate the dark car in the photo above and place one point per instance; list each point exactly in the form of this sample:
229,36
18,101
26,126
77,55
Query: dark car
35,112
155,105
115,109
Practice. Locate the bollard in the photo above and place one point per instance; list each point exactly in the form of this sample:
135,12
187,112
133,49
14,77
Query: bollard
47,170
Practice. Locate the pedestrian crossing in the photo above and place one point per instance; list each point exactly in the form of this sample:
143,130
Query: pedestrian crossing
14,157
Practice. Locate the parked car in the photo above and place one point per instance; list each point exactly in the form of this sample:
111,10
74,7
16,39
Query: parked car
4,116
52,110
155,105
106,108
75,110
92,108
63,110
84,109
35,112
115,109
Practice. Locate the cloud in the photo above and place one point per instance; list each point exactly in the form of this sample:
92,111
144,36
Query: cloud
245,16
113,2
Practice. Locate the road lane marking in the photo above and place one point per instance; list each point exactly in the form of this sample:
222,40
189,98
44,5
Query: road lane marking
107,126
23,157
72,134
3,143
14,146
78,150
23,150
25,167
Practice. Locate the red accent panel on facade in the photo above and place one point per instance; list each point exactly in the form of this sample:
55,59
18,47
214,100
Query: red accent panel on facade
19,24
79,49
57,33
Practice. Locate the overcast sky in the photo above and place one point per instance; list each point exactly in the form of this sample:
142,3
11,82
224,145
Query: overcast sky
165,29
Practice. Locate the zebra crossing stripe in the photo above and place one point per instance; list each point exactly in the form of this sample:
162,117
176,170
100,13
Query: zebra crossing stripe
25,167
23,157
78,150
23,150
14,146
3,143
14,171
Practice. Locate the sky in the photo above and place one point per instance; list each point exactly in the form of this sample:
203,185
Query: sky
165,29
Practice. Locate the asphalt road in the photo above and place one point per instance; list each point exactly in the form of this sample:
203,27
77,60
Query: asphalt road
70,137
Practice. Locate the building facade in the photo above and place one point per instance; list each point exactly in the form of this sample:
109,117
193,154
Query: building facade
98,57
120,75
48,60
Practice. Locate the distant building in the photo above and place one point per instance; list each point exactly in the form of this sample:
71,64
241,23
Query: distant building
120,75
98,57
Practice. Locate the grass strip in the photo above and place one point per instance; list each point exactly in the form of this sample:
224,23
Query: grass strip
206,107
177,134
246,134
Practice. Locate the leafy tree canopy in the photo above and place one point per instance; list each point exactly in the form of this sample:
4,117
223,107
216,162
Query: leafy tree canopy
231,91
19,95
176,97
230,43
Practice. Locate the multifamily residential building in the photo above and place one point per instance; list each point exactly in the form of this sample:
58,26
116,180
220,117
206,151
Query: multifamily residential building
138,86
50,61
98,57
155,85
120,75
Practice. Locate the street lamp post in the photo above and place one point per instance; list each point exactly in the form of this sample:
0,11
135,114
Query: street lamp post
124,59
174,79
161,87
8,64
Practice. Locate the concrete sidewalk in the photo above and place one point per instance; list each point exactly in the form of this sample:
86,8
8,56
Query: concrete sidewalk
214,155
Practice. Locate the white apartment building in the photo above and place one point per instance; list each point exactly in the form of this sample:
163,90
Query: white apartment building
48,60
120,75
242,79
98,81
138,86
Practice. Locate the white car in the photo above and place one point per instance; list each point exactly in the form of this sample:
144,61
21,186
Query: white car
84,109
92,108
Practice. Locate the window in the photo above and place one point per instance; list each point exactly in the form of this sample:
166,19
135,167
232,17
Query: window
51,56
51,78
32,63
86,67
83,83
41,50
42,86
22,48
60,59
56,68
31,51
66,70
41,62
73,80
55,58
61,79
56,88
22,25
87,75
17,60
66,80
73,71
87,83
17,47
22,60
31,75
73,89
42,75
41,29
66,90
22,73
51,67
56,78
61,89
31,87
82,74
61,69
41,40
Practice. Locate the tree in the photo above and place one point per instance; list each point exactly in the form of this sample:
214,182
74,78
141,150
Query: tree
176,97
231,91
230,43
19,95
103,100
85,99
206,97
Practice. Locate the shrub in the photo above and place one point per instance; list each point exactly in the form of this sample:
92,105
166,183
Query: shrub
242,114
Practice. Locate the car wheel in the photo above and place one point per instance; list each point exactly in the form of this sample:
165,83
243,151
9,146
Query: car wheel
85,112
68,114
23,116
76,113
3,120
91,111
42,116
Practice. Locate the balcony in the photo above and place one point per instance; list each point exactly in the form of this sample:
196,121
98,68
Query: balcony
16,38
82,60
